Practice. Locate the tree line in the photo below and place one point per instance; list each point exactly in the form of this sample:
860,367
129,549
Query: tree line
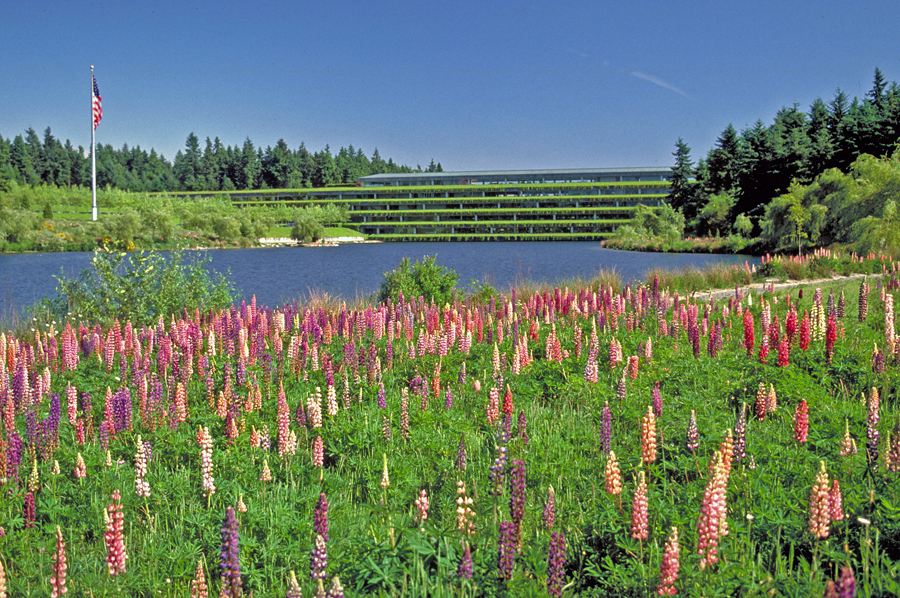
730,189
29,160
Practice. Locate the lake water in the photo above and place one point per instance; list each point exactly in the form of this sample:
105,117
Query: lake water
282,274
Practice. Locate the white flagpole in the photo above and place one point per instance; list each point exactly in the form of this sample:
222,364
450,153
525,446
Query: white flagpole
93,155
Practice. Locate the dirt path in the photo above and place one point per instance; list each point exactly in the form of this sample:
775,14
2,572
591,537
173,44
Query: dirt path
759,287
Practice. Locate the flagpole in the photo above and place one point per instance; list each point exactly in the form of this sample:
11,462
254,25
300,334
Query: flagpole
93,155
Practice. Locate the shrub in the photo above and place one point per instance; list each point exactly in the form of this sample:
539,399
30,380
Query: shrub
140,287
426,279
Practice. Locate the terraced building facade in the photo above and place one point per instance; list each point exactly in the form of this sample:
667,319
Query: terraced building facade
510,205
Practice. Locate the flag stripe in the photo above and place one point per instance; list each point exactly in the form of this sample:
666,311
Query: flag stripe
97,107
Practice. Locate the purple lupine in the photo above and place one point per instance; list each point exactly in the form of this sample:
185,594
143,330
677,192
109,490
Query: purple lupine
320,517
230,556
606,429
464,569
14,449
318,559
498,469
448,400
461,454
506,425
556,564
462,374
507,550
300,415
122,409
382,403
517,496
104,435
549,514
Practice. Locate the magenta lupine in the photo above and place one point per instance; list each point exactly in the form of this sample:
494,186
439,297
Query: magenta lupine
805,331
320,517
748,331
465,567
830,338
115,536
229,557
28,509
668,573
507,550
801,422
847,583
639,509
556,564
58,579
657,400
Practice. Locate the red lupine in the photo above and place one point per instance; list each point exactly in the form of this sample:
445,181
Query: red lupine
830,338
805,331
748,332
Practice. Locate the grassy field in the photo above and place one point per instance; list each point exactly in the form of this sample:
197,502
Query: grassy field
225,434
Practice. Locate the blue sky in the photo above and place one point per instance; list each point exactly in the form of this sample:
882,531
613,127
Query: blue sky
473,85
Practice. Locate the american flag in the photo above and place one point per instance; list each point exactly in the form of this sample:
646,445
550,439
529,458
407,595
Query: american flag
95,102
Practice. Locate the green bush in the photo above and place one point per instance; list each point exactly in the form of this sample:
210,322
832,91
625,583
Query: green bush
420,279
141,287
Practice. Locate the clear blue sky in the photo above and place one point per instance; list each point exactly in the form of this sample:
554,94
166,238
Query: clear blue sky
474,85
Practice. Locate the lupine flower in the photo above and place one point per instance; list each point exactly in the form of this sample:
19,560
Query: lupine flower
385,478
422,505
80,467
404,413
848,445
2,581
893,444
606,428
712,525
748,332
835,503
318,561
771,400
612,475
461,454
801,422
648,436
507,550
115,536
293,587
28,509
863,300
464,569
762,399
620,389
199,588
657,400
266,474
58,579
830,589
872,417
740,434
493,406
549,514
241,507
819,508
669,569
556,564
830,338
693,435
336,590
206,465
320,517
465,516
229,561
142,486
318,452
847,583
805,332
639,508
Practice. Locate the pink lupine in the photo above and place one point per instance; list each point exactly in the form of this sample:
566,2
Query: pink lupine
819,508
639,510
805,332
198,584
712,525
835,503
80,467
801,422
748,332
493,406
830,338
422,505
668,573
58,579
115,536
318,452
848,445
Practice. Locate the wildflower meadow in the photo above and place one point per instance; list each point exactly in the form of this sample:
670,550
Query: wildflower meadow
598,441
